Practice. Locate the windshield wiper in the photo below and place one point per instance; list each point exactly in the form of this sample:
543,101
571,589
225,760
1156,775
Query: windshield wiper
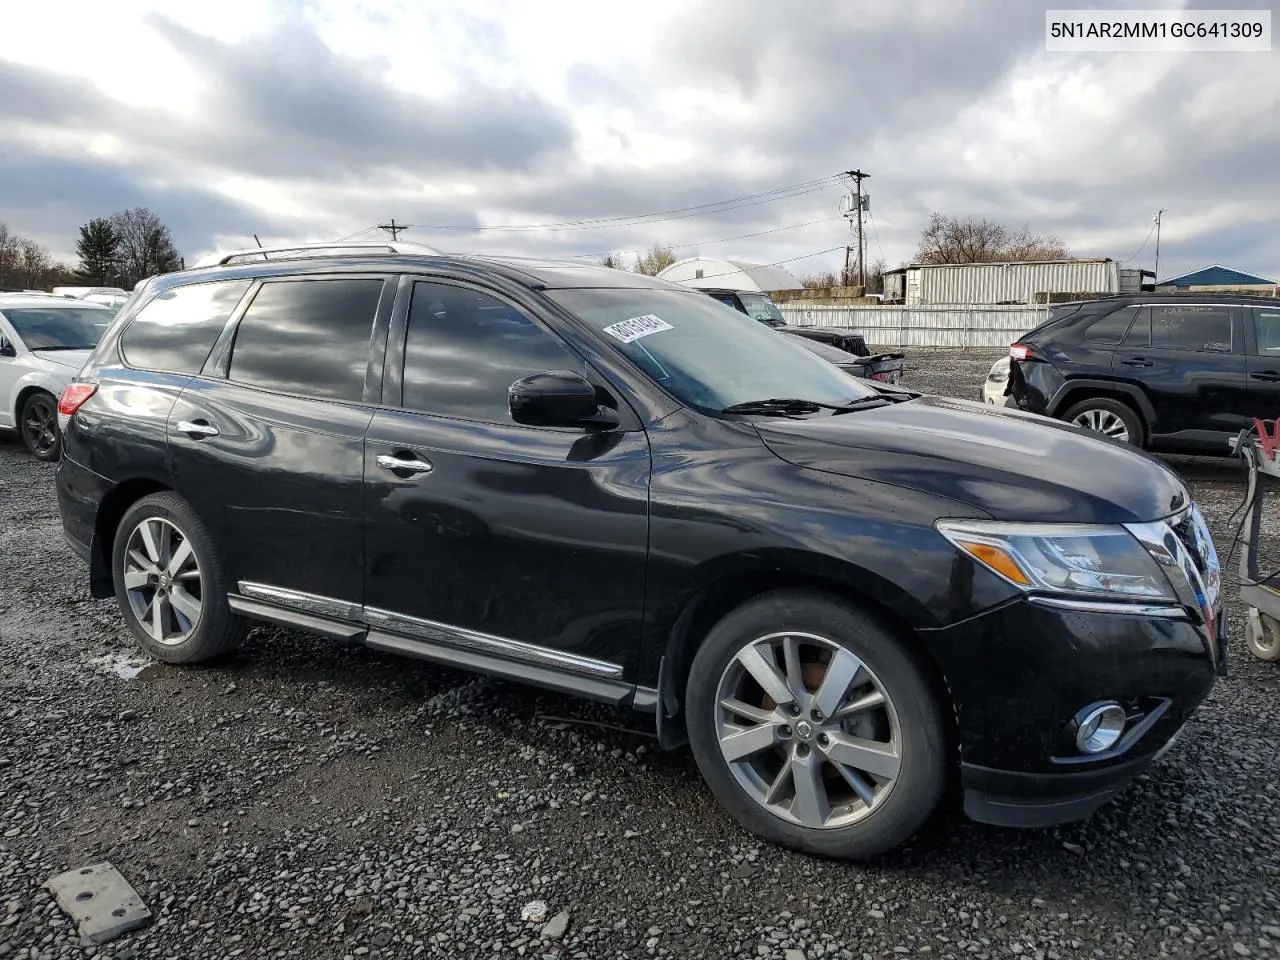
61,346
788,407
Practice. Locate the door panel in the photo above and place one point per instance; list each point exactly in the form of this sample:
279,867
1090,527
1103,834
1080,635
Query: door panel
279,486
537,536
1190,361
506,531
1264,363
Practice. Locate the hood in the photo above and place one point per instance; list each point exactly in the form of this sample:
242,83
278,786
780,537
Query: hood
1009,464
75,359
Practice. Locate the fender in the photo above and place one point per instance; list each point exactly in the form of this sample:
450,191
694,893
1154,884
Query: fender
1059,400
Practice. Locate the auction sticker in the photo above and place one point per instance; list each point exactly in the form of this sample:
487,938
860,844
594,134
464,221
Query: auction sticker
637,327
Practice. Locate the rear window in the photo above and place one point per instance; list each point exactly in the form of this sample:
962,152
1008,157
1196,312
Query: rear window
58,328
176,330
1266,322
1112,327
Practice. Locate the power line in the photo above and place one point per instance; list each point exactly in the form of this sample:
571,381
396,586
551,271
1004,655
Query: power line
876,231
358,233
394,229
1144,243
705,243
678,213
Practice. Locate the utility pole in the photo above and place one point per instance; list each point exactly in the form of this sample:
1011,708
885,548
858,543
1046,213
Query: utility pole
394,228
844,277
1159,214
858,176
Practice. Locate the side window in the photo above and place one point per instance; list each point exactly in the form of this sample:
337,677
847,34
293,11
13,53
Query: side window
1139,334
1191,327
1113,327
1266,324
464,349
176,330
307,337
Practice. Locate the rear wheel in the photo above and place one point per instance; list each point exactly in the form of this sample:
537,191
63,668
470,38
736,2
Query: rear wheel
169,585
814,727
38,422
1111,418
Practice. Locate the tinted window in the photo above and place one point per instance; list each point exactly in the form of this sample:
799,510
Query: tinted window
176,330
1266,321
1179,327
309,337
465,348
760,307
58,328
1112,327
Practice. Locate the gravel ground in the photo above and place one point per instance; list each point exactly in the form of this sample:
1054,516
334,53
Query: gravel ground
312,799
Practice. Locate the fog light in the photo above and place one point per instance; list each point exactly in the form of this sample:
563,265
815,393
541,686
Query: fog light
1100,728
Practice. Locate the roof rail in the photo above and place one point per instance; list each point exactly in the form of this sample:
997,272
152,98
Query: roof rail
301,251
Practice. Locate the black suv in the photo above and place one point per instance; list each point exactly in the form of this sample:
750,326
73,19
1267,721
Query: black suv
759,307
1174,372
838,592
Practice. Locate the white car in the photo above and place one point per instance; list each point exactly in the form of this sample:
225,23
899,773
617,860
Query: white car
44,340
993,387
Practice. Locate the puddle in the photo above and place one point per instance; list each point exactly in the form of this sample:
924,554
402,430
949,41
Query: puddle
127,667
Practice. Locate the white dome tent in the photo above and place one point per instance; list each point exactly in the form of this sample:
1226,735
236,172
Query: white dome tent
729,274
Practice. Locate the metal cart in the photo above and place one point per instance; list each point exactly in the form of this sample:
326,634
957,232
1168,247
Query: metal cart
1260,450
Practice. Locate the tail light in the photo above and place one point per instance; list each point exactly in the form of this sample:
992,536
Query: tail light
1022,351
72,399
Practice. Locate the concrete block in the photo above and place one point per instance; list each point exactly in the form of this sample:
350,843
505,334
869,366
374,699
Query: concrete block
100,901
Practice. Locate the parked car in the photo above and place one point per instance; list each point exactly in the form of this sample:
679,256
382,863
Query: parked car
837,592
884,367
1172,372
993,388
43,341
759,307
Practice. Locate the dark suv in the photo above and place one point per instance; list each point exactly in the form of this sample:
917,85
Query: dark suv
759,307
1174,372
838,592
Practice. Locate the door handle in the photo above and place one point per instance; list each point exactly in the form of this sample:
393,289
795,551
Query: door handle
197,428
1266,376
1138,362
403,464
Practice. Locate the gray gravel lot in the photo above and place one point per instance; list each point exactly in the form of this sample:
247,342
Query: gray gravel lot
312,799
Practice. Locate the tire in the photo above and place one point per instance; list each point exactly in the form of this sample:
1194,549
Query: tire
38,425
1262,636
832,818
1111,418
150,561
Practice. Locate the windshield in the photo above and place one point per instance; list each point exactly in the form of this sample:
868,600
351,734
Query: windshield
760,307
59,328
701,352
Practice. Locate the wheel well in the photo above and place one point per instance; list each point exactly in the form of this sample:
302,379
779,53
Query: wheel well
1095,393
22,399
110,512
706,609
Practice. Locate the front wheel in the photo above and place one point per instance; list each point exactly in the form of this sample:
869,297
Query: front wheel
38,421
169,585
814,726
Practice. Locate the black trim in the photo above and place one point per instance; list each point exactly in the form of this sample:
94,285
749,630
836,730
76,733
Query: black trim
81,550
271,613
614,692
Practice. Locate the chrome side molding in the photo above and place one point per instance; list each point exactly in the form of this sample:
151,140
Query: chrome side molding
461,638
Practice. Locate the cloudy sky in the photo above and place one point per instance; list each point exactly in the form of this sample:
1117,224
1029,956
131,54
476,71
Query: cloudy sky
316,119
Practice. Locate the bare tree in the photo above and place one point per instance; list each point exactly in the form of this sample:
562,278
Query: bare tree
819,281
27,264
612,261
10,245
146,247
655,261
875,276
978,240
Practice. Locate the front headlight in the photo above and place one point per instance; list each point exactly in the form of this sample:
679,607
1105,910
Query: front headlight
1074,559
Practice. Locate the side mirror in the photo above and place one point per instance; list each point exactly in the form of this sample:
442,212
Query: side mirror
557,398
6,348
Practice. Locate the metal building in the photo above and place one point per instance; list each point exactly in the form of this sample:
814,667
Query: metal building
920,284
731,274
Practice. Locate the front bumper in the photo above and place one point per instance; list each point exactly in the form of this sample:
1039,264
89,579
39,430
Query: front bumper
1021,673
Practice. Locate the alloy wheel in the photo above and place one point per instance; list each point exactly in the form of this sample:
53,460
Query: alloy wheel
162,580
1104,422
808,730
40,426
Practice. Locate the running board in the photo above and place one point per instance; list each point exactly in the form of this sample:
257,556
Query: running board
613,692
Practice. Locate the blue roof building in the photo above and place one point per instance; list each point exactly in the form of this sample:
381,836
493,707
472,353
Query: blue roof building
1216,276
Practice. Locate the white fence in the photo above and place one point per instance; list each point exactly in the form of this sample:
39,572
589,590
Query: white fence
932,326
